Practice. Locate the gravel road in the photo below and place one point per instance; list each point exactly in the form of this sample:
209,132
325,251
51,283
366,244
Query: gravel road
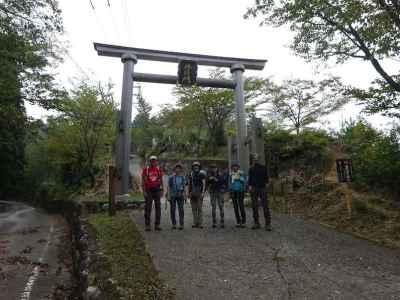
297,260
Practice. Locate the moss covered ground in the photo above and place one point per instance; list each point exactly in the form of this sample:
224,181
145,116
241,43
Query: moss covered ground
131,266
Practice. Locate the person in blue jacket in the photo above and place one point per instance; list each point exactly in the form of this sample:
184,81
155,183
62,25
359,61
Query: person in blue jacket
237,185
177,194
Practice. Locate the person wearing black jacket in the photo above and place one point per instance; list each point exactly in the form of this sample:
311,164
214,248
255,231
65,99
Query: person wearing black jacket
258,180
216,183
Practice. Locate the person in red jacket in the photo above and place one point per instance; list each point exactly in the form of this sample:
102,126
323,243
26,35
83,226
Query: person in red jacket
152,186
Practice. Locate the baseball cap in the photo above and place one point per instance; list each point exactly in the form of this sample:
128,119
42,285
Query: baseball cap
153,157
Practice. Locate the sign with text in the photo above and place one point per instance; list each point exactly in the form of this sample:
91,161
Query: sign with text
187,72
344,169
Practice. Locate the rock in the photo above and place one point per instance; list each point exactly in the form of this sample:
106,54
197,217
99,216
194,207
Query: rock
122,198
92,293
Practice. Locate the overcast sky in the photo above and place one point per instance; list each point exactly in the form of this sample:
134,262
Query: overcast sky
206,27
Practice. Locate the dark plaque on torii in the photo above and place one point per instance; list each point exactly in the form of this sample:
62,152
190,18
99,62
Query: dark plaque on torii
187,72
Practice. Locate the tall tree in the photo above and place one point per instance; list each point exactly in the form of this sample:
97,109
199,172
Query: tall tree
344,29
29,33
28,46
303,102
144,109
142,135
214,105
80,137
181,129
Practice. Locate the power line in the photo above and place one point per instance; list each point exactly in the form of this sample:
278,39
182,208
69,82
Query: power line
91,4
77,65
98,21
124,6
113,20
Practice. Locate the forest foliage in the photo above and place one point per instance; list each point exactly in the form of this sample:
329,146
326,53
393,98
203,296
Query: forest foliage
69,150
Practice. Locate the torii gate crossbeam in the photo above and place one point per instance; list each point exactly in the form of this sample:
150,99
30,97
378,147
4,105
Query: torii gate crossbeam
168,56
130,56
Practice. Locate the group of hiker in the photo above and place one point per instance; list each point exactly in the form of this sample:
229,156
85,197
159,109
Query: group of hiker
193,186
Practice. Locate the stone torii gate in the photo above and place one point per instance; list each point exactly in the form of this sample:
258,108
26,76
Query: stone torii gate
130,56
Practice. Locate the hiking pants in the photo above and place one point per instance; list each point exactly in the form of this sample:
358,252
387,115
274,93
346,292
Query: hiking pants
174,202
196,201
260,193
150,197
216,197
238,205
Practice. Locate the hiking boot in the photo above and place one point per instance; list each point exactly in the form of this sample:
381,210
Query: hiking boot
243,225
200,226
238,225
173,227
214,225
181,227
268,227
147,228
194,226
255,226
222,225
157,228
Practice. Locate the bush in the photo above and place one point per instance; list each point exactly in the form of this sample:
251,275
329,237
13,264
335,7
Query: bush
306,153
375,156
359,206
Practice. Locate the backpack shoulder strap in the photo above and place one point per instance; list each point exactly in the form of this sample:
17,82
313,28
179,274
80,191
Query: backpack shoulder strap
158,172
146,171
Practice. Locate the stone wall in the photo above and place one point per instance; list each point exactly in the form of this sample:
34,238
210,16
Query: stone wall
91,272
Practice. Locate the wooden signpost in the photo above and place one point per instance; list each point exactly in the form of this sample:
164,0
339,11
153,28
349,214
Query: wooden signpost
344,168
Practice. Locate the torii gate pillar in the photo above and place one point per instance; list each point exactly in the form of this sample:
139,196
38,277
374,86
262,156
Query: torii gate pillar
241,125
124,124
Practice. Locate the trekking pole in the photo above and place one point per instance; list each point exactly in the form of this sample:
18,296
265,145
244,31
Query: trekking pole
166,202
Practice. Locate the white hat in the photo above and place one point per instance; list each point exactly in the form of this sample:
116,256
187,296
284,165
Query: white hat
153,157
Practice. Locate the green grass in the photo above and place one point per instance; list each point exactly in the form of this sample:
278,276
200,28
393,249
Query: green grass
103,198
135,197
360,206
131,266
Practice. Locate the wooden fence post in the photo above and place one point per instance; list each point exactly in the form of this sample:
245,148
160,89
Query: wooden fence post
111,190
349,200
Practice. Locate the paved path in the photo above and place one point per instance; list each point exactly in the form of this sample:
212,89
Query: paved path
298,260
28,252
